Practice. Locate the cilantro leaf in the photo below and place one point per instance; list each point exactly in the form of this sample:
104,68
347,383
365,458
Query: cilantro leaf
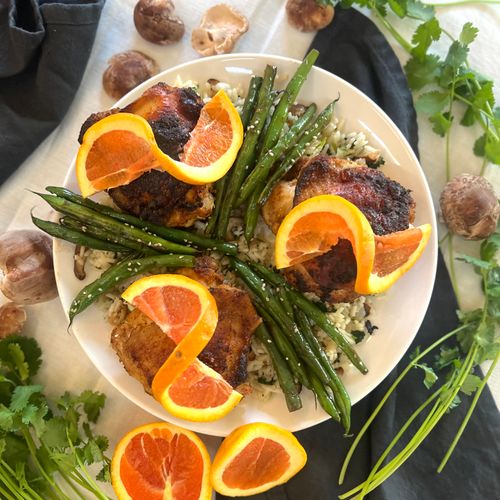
421,72
446,356
21,396
430,376
93,403
490,247
418,10
6,418
30,348
54,435
398,7
478,263
441,122
479,145
34,415
468,34
470,385
432,102
492,151
424,35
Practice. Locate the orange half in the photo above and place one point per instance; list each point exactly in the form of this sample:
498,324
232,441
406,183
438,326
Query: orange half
254,458
119,148
158,461
312,227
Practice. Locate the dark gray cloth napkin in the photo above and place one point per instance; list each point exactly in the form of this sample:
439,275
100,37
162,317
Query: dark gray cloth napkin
353,48
44,48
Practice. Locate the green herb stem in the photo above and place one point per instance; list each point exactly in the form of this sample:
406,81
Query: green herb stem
399,38
379,407
10,483
468,415
451,267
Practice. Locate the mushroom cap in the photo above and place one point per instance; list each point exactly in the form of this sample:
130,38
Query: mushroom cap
156,22
12,319
307,15
219,30
26,263
469,206
126,70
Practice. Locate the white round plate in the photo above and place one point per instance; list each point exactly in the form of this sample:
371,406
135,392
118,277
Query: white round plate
397,314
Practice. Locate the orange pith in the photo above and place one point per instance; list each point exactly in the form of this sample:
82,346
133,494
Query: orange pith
254,458
315,225
186,311
120,147
158,461
262,461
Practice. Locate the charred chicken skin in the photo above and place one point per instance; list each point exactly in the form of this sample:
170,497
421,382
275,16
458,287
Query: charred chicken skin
387,205
156,196
142,347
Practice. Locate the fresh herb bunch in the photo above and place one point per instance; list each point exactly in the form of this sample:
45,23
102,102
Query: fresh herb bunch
478,340
43,444
442,82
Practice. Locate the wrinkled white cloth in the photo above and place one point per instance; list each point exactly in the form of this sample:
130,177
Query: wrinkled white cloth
65,366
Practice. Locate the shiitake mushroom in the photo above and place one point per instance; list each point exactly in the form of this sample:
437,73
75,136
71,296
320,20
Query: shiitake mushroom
469,206
156,21
126,70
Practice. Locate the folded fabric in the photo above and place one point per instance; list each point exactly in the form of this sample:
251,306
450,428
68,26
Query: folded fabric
44,48
353,48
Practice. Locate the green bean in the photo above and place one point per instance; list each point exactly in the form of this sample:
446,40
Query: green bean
247,153
220,190
177,235
297,151
342,399
103,235
250,100
76,237
122,230
263,167
287,98
315,314
284,346
324,398
120,272
285,378
259,288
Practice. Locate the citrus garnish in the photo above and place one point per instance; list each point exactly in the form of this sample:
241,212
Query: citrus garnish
158,461
120,147
254,458
312,227
186,311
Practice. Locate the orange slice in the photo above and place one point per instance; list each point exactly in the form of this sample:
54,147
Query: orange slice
187,312
119,148
158,461
315,225
254,458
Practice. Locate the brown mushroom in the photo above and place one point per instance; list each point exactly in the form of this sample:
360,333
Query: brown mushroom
126,70
26,263
12,319
309,15
469,206
156,22
219,30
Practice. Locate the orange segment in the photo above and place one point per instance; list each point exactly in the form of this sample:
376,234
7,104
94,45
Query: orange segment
121,147
158,461
187,312
254,458
315,225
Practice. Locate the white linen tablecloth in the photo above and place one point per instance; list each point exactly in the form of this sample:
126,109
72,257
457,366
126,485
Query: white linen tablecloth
65,366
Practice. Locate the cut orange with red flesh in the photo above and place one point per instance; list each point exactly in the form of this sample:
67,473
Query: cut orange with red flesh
159,461
119,148
186,311
254,458
315,225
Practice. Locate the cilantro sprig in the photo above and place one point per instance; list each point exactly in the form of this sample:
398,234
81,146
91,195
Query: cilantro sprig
447,89
41,440
451,376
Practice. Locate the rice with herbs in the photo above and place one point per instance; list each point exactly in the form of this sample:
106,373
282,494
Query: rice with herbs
350,318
